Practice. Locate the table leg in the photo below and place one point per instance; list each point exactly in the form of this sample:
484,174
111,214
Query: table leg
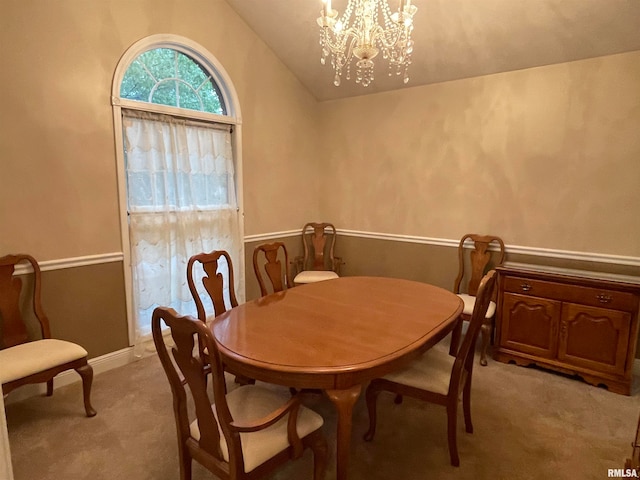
344,400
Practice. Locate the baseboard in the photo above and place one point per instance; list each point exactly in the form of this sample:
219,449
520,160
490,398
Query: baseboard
100,365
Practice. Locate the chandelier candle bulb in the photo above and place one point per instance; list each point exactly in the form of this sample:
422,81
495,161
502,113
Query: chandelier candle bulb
326,8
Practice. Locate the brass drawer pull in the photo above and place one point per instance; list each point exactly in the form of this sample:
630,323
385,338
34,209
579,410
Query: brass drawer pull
525,287
604,298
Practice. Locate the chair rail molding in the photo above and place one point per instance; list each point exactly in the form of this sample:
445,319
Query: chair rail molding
261,237
446,242
63,263
87,260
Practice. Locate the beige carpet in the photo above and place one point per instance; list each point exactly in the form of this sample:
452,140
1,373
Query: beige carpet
529,424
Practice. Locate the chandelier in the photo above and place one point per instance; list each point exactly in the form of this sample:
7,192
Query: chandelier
358,34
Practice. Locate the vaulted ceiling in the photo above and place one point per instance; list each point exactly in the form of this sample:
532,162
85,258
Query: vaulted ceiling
454,39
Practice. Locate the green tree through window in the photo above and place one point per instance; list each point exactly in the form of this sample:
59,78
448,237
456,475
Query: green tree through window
168,77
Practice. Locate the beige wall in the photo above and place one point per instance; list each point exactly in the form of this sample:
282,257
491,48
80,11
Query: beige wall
57,140
545,157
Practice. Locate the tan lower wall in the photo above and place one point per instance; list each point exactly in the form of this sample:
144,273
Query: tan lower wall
433,264
86,305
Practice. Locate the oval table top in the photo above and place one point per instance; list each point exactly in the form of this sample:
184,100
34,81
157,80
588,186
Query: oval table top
336,333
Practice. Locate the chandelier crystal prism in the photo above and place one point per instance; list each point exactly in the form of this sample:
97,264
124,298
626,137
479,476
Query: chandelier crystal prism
366,28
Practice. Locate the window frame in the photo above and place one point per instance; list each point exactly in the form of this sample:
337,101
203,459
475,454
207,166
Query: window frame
233,117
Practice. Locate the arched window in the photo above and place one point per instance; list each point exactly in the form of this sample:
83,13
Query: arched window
177,129
168,77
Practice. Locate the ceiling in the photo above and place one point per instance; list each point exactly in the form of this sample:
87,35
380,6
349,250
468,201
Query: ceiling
454,38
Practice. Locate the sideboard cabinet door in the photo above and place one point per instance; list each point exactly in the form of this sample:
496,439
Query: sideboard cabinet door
595,338
530,324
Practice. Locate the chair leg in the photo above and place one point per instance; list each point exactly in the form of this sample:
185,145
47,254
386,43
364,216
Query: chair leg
372,397
466,406
318,445
452,425
86,373
486,335
49,387
185,465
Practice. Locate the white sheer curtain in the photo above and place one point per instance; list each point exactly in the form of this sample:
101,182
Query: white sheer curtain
182,201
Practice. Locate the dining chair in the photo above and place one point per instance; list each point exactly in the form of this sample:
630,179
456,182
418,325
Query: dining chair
28,354
243,434
473,263
217,266
274,268
437,376
276,271
318,262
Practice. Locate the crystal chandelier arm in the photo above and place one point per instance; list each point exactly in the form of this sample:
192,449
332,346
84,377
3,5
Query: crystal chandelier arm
391,37
340,42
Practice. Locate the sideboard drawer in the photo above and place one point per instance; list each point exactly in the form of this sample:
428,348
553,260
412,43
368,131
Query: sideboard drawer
596,297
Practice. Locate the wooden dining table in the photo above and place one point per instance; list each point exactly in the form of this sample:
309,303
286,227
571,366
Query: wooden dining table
335,335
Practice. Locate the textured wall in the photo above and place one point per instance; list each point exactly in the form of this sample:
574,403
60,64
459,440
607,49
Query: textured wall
57,139
59,196
545,157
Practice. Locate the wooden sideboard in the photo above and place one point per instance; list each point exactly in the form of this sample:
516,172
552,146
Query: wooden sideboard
572,321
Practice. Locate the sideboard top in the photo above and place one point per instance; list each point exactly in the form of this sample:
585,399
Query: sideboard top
570,272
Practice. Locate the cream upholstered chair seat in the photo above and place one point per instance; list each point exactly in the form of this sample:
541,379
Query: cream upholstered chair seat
34,357
470,301
432,371
312,276
250,402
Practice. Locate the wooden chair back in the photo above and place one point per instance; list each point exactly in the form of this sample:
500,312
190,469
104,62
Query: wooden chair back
185,332
275,269
318,242
213,281
479,259
463,365
187,368
13,323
